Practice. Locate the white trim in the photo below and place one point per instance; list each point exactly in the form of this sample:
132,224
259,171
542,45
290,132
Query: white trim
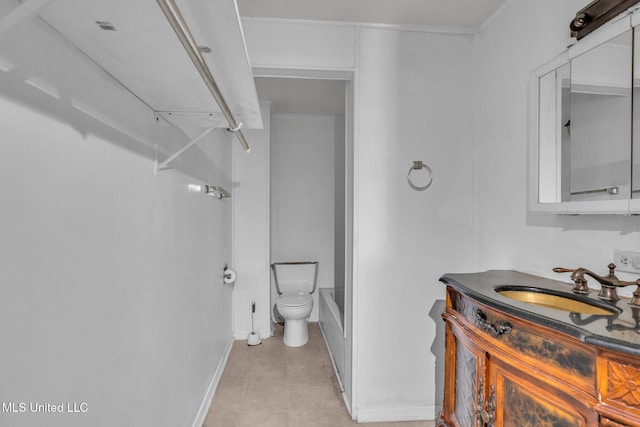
533,139
266,333
233,245
635,16
395,414
305,116
461,31
605,33
619,207
213,385
351,312
303,72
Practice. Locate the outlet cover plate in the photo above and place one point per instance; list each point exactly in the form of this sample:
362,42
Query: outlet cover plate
628,261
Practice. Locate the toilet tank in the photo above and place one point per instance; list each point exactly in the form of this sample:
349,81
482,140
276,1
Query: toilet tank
295,276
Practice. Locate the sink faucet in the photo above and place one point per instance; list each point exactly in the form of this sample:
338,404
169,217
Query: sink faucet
609,283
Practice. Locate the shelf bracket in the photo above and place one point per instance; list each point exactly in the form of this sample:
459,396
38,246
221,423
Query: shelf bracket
182,150
216,191
180,27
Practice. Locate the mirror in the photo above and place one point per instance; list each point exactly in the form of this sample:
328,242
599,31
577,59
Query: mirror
581,159
635,170
597,130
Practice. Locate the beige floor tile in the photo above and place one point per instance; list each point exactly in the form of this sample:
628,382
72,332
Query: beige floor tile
227,399
314,397
316,418
266,377
231,380
265,397
263,418
221,419
272,385
308,375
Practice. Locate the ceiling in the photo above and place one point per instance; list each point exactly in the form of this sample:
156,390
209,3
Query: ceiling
308,96
119,53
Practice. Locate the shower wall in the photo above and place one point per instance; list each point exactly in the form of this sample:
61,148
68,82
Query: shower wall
302,193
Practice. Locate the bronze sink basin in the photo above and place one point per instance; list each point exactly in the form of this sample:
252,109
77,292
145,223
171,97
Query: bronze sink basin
557,300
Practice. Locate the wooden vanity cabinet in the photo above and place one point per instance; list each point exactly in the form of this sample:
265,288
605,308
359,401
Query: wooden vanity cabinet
619,388
485,388
525,401
502,370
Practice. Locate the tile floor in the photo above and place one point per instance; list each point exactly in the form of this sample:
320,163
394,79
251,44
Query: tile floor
272,385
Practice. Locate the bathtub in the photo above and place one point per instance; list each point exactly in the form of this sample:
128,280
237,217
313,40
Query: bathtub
331,327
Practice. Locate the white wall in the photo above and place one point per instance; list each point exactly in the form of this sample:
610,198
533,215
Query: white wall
412,103
505,53
460,105
299,45
251,233
111,276
302,193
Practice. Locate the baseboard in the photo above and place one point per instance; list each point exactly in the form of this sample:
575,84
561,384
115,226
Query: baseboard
213,385
413,413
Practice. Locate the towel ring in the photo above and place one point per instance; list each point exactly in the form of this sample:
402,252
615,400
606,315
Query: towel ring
417,165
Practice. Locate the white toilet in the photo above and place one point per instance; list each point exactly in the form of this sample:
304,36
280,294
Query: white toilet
295,283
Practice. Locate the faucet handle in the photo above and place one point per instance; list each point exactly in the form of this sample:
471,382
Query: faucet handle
580,283
635,301
564,270
623,283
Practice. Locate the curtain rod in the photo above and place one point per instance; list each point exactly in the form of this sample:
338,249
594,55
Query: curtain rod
181,29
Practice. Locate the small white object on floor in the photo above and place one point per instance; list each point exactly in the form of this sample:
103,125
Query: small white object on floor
254,339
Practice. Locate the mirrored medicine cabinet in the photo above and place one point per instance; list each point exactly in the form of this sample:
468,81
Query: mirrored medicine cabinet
584,145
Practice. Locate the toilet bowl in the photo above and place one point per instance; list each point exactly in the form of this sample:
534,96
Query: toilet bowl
295,308
295,283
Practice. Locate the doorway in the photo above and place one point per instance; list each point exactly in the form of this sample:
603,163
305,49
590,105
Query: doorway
311,174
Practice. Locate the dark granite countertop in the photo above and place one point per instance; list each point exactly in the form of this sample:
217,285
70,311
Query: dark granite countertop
619,332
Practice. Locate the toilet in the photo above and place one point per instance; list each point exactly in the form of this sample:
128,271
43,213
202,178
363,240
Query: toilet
295,283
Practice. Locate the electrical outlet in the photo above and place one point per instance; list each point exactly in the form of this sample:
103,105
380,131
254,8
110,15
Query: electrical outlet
628,261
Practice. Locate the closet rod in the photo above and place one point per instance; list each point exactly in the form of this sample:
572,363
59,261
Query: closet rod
181,29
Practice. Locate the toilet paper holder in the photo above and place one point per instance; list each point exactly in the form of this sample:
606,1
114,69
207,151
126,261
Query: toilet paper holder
228,276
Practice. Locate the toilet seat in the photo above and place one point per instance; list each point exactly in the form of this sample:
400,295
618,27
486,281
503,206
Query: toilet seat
294,299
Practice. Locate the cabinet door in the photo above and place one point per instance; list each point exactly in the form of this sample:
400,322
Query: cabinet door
522,401
463,380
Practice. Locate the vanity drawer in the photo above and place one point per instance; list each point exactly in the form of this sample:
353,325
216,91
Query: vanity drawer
544,349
